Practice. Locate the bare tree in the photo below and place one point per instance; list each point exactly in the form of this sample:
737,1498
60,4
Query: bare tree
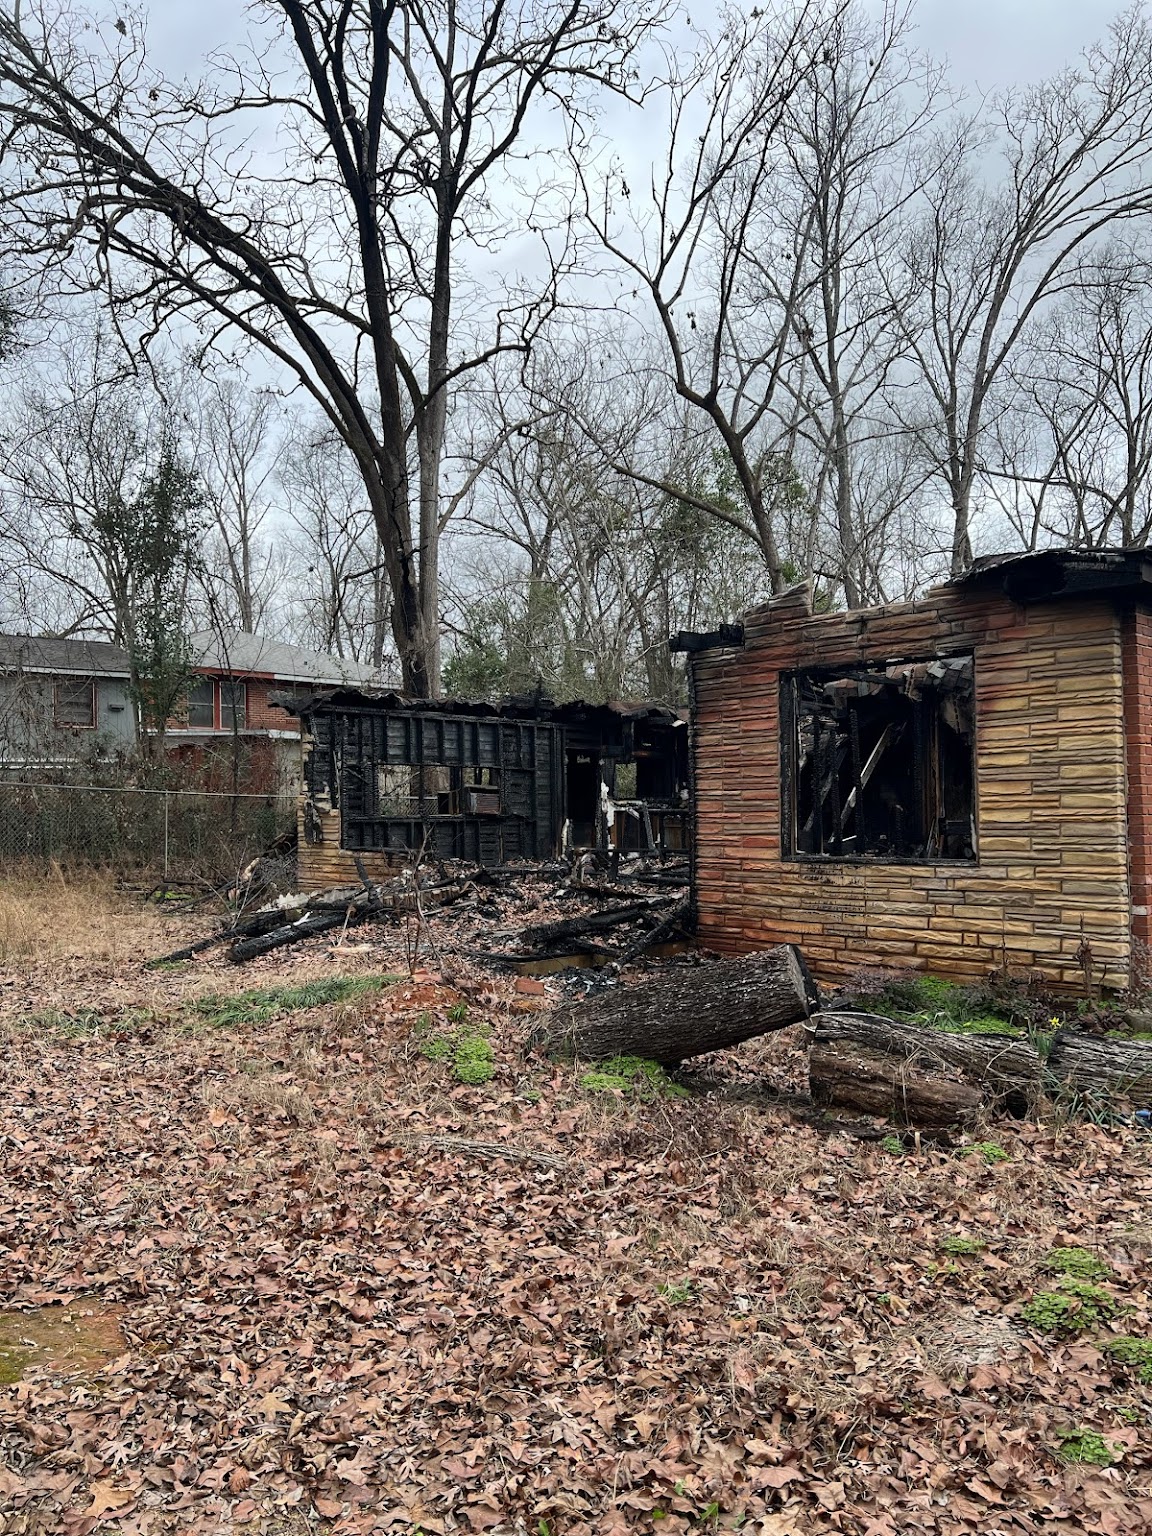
689,250
573,575
852,168
339,600
347,262
1082,403
237,437
993,250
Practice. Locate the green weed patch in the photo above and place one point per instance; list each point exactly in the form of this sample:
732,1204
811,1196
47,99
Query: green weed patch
1073,1307
1086,1447
1076,1262
260,1004
1135,1354
466,1045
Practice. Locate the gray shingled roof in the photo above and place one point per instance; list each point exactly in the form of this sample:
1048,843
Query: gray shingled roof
233,651
41,653
245,654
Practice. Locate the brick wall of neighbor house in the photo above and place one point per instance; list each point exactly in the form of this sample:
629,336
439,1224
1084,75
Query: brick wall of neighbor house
1138,723
261,715
1052,842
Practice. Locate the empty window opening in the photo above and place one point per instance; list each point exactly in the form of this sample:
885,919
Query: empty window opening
878,760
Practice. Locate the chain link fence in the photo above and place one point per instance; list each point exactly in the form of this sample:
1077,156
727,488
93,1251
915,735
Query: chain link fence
194,834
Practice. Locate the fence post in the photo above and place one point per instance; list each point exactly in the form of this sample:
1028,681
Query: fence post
165,834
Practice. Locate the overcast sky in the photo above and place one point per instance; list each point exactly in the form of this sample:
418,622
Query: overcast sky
989,42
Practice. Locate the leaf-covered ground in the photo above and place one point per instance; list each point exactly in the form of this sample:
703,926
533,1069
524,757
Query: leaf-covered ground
343,1312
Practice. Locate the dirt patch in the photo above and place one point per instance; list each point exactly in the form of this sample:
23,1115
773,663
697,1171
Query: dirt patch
75,1340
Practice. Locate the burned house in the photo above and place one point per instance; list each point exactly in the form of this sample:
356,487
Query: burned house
388,778
957,784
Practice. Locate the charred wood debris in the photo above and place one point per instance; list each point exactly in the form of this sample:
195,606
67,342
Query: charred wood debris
597,914
600,928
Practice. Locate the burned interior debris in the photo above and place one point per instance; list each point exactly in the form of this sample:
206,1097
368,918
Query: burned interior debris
526,779
877,760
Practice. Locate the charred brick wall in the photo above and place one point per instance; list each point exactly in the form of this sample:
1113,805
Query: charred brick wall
1052,767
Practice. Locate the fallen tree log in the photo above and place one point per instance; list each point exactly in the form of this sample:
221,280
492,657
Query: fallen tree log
877,1082
1115,1069
689,1010
1003,1067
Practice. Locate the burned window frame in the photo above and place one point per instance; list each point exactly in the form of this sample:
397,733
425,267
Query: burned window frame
938,839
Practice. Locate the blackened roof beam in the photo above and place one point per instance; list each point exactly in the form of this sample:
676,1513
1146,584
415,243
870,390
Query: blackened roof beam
727,637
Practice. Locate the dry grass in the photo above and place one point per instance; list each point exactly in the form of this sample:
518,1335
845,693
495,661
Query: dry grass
55,916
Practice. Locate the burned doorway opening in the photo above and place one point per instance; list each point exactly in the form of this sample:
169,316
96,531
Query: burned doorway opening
877,761
582,790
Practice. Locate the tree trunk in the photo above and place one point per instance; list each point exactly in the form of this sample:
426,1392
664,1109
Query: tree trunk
1005,1067
1118,1069
876,1083
689,1010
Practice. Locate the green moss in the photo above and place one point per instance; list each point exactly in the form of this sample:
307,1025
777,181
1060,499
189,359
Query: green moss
986,1024
1087,1447
991,1151
467,1046
1077,1262
604,1082
1134,1353
12,1363
933,1003
961,1247
260,1004
621,1073
1071,1308
892,1145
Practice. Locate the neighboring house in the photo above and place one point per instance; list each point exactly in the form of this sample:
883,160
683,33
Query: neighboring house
957,784
387,778
228,730
65,701
62,700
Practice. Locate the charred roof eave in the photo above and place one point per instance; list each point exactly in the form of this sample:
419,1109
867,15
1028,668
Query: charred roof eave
692,642
521,707
1043,575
